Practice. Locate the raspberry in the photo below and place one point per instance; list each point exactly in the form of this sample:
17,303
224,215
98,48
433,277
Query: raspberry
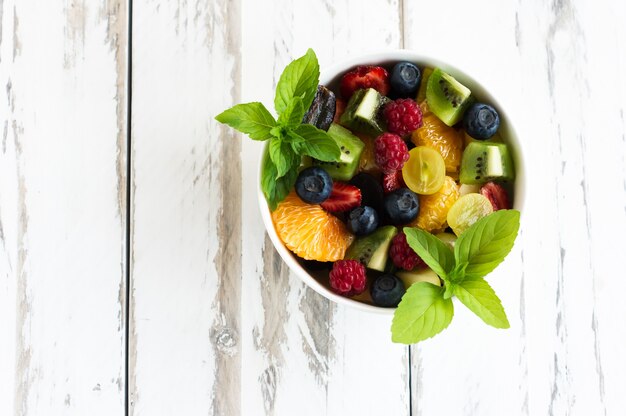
347,278
393,181
403,116
403,255
391,152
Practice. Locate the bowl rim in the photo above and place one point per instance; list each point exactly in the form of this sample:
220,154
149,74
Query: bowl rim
377,58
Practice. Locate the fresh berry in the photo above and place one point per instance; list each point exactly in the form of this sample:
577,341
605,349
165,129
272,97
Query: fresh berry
365,76
481,121
314,185
387,291
497,195
403,255
371,191
391,152
403,116
402,206
347,278
343,197
363,220
404,80
393,181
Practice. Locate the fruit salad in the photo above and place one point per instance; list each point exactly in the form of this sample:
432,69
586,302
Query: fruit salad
374,181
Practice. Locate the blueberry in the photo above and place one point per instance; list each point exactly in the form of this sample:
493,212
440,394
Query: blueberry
481,121
371,191
387,290
402,206
314,185
404,80
362,220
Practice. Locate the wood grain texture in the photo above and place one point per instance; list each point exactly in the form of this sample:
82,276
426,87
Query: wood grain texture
557,285
306,355
186,212
62,207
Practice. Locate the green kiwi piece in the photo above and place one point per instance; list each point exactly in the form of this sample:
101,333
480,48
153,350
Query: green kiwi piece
362,112
447,98
421,92
373,249
416,276
485,161
351,148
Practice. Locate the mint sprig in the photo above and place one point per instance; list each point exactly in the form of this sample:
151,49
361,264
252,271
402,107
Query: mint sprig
427,309
289,138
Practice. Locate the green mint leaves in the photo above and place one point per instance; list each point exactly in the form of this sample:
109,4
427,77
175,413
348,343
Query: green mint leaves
299,79
289,138
252,119
422,313
426,309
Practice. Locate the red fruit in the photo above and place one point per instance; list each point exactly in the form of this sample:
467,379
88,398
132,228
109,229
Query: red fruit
365,76
393,181
403,116
340,107
403,255
391,152
347,278
496,194
343,197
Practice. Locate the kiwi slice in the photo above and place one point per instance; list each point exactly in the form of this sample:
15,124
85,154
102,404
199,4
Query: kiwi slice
416,276
373,250
485,161
447,98
362,112
351,148
421,93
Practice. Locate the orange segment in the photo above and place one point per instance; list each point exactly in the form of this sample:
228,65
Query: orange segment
309,231
367,163
434,208
446,140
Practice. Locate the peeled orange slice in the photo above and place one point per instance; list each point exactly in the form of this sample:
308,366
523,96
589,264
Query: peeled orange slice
434,208
446,140
309,231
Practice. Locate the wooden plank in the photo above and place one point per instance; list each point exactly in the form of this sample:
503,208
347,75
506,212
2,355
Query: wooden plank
472,369
306,355
62,207
557,286
186,213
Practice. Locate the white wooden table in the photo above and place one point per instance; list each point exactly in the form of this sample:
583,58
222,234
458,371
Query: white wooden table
135,274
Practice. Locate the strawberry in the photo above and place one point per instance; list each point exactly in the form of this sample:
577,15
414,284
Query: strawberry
393,181
496,194
365,76
343,197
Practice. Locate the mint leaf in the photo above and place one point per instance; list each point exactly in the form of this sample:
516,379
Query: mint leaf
435,253
481,299
316,143
422,313
291,117
282,156
252,119
275,190
487,242
299,79
285,184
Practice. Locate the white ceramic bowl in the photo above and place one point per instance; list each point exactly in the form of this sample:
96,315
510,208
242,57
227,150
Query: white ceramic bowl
330,77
